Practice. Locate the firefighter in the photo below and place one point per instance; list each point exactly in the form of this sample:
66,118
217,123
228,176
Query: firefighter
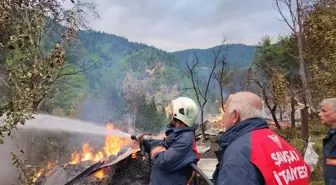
253,154
328,118
172,157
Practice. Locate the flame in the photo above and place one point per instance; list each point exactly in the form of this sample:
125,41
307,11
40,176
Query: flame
49,172
114,143
216,119
222,111
112,146
75,158
134,155
100,174
98,157
38,174
50,167
87,153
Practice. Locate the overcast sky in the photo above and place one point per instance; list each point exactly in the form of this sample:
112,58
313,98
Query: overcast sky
183,24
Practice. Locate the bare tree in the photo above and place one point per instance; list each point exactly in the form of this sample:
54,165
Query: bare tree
201,96
133,90
295,21
222,76
272,93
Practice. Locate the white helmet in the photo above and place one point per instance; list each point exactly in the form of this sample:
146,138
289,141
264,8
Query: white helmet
185,110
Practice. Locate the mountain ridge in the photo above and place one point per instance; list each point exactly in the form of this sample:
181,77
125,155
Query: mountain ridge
239,55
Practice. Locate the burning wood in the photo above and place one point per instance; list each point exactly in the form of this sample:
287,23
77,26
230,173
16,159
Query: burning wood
118,162
79,162
85,172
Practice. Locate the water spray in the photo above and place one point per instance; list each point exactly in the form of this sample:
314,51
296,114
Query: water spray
62,124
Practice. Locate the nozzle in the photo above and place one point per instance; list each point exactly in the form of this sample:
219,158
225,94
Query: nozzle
141,136
134,137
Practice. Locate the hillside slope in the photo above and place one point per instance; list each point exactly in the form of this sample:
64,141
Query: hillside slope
125,71
239,55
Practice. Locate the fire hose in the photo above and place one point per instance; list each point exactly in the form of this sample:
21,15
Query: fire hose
149,137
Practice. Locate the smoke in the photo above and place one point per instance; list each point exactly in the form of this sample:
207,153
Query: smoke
8,173
103,105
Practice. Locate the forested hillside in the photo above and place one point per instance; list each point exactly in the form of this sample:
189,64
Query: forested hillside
111,69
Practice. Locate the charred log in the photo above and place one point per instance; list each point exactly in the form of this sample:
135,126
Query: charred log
124,168
85,173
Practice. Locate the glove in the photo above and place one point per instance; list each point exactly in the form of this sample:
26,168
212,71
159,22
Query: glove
149,145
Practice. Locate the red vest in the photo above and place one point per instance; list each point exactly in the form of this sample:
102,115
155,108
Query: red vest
279,162
194,148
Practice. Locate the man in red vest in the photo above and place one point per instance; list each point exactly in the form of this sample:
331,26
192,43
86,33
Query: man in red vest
253,154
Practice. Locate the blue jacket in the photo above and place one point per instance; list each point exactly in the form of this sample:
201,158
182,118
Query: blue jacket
234,159
171,167
329,158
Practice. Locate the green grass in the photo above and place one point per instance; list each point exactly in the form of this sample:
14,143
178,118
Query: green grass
317,132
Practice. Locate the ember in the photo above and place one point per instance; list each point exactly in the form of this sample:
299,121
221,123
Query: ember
102,173
38,174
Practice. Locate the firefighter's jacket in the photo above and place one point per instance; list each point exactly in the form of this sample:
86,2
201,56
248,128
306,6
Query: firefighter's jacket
171,167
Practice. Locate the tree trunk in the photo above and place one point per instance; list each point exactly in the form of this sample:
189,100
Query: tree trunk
222,98
202,124
303,76
304,123
37,103
281,114
302,72
293,111
275,118
272,110
35,106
